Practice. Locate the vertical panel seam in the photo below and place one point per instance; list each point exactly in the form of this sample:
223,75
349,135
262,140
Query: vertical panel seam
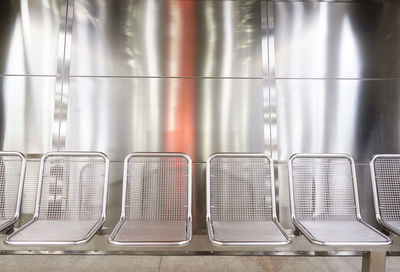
59,75
265,73
65,75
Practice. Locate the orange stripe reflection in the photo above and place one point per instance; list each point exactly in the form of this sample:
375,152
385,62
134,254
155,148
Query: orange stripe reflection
181,46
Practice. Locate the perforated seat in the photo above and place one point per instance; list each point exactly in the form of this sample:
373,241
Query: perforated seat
324,201
71,200
385,174
12,169
241,201
156,200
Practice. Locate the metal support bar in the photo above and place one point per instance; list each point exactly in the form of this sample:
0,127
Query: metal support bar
374,262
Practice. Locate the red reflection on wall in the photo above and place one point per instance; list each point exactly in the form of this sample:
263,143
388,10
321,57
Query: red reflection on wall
181,46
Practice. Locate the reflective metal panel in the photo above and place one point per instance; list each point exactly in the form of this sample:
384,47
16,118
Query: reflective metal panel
29,35
29,192
337,40
26,113
356,117
199,198
167,38
114,194
194,116
282,198
365,195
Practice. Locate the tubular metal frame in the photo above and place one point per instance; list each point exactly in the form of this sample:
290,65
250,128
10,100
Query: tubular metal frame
274,216
111,238
304,230
98,225
375,191
20,188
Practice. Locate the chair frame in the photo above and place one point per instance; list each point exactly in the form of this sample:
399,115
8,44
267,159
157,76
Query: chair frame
111,238
304,230
12,221
97,226
375,191
274,216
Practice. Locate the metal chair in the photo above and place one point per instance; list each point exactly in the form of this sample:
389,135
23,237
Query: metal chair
324,201
12,171
385,175
241,201
71,200
156,201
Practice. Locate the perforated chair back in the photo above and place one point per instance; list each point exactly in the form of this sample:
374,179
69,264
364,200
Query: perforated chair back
324,188
385,174
70,202
72,187
241,198
240,188
12,169
156,193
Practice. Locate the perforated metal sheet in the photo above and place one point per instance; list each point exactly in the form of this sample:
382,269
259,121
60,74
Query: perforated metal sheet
240,188
152,230
247,231
49,231
343,231
386,176
30,187
72,188
241,200
324,201
157,194
11,178
323,188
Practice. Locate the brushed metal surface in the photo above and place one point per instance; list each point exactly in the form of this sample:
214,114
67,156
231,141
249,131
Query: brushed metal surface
198,117
29,191
356,117
114,195
166,38
365,195
26,113
282,196
269,81
200,39
63,67
337,40
199,225
29,36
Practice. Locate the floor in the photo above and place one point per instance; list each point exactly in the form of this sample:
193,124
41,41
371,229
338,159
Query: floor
187,263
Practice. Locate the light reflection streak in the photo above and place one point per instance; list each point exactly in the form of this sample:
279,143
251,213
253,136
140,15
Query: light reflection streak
152,59
207,141
226,92
347,100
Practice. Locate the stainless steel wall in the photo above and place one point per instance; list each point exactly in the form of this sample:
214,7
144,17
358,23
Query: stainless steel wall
354,116
181,76
197,116
29,37
166,38
200,77
335,84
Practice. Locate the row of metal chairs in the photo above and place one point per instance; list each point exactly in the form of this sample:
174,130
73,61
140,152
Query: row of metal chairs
156,200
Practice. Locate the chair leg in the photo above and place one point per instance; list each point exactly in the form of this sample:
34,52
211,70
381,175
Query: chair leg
374,262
